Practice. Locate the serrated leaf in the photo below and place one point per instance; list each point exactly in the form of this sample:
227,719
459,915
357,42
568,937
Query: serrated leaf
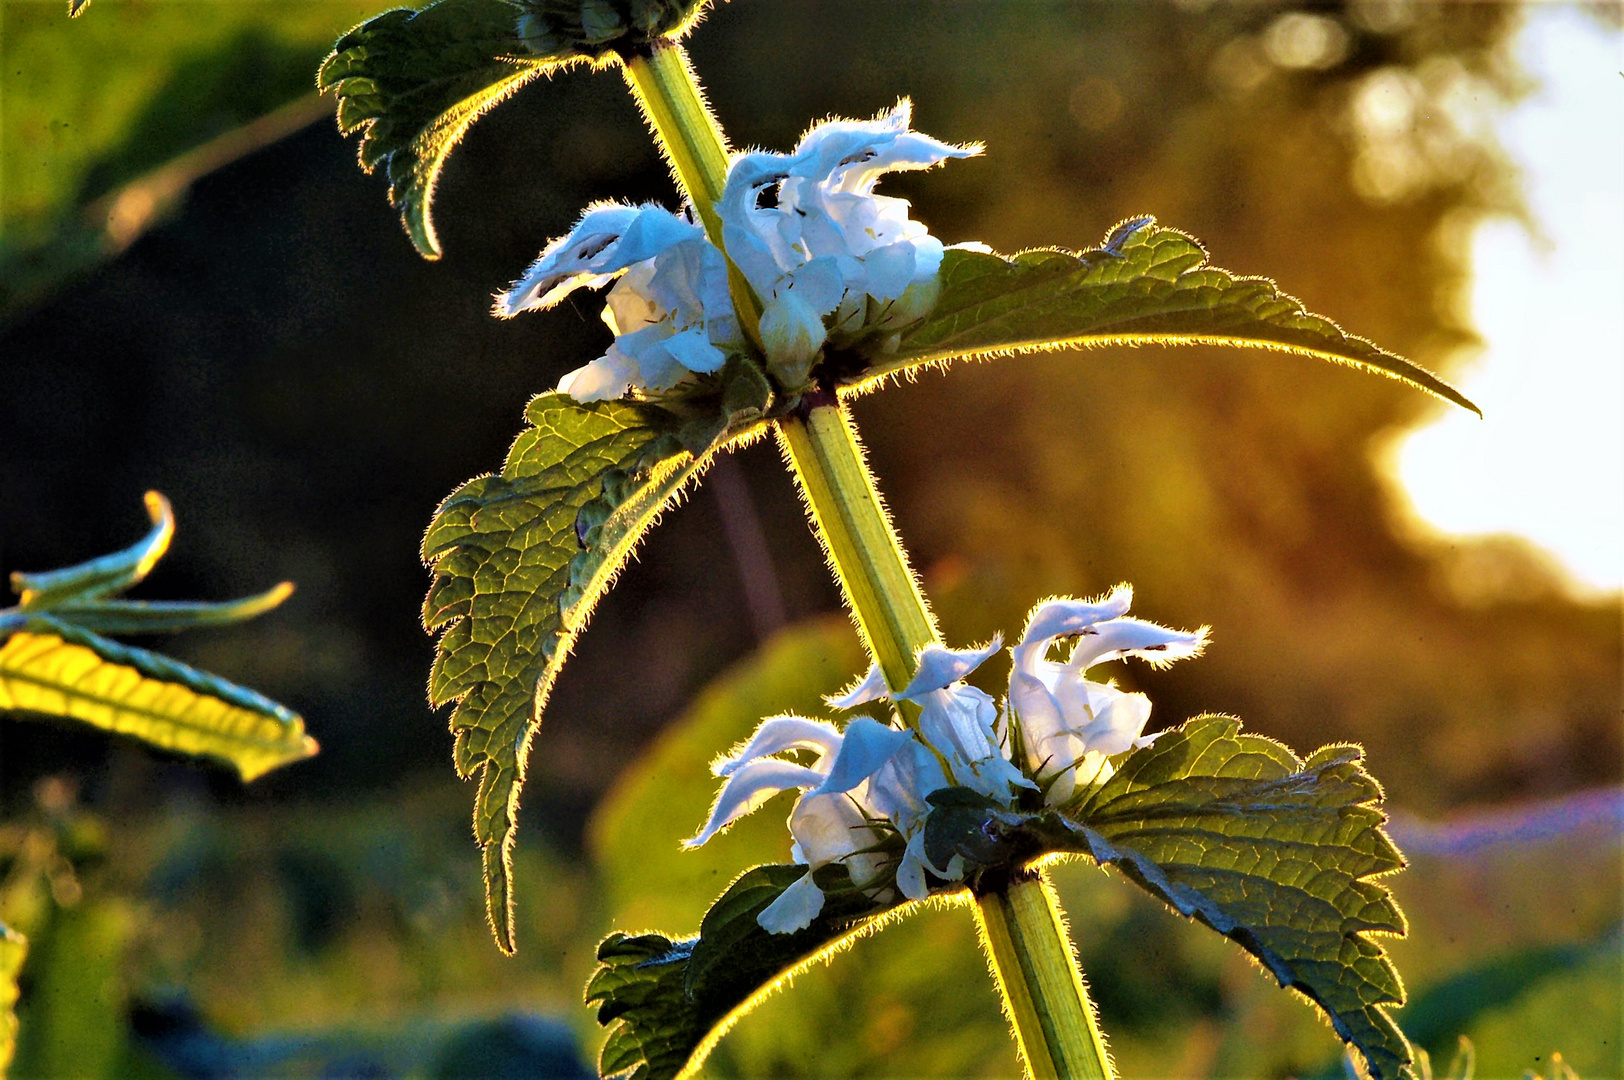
666,1002
414,81
53,668
520,559
1144,284
13,949
1277,854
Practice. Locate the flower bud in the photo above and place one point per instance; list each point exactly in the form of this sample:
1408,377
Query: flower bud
598,28
792,333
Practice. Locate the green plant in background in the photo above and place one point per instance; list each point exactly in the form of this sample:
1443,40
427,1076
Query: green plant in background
786,286
57,662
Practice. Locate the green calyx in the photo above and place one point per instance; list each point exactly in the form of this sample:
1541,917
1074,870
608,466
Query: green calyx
596,28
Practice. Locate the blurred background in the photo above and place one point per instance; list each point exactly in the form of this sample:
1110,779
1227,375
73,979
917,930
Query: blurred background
201,293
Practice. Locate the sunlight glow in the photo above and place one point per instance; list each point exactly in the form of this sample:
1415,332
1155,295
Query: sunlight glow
1547,462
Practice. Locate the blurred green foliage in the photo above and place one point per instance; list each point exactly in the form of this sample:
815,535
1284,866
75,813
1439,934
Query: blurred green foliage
95,102
101,101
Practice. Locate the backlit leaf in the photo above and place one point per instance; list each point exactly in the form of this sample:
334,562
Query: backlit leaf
413,82
51,667
107,575
1231,829
666,1002
520,558
1144,284
55,662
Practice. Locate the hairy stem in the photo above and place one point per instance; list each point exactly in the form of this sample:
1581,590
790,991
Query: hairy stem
1030,953
881,590
1031,957
666,89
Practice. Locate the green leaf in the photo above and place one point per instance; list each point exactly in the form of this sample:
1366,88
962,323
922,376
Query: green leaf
13,948
520,558
54,661
1144,284
666,1002
413,82
1277,854
54,668
104,576
596,28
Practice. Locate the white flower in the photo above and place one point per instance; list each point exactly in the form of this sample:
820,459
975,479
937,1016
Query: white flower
830,260
852,257
1068,725
670,310
863,773
957,721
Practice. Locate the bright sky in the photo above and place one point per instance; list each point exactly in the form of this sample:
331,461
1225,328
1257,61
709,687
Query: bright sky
1547,462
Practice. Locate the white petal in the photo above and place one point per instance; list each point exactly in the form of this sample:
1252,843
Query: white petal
794,909
750,787
1067,615
911,871
1117,724
872,688
751,234
629,307
818,283
608,377
654,231
908,150
865,746
940,666
1118,638
779,733
898,792
694,351
828,828
889,270
958,723
608,239
791,333
928,252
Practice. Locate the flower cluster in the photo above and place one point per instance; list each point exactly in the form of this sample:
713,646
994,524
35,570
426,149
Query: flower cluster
829,260
869,785
669,310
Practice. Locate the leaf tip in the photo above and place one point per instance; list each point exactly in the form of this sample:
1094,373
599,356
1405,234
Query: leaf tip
162,515
420,229
499,891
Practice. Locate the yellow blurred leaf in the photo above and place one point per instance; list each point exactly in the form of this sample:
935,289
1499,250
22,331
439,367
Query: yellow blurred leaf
13,947
155,699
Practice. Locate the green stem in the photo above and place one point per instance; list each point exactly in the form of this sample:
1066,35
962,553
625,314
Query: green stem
666,89
847,515
1030,953
1031,957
